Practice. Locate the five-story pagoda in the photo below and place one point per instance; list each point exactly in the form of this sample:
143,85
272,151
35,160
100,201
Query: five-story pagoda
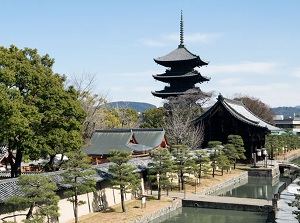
180,73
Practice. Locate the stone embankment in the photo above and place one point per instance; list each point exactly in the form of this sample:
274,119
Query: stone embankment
177,203
225,185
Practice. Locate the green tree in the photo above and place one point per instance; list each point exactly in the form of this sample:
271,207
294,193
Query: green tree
222,161
39,197
234,149
160,167
78,175
154,118
39,107
61,126
124,178
184,162
272,145
216,147
127,116
201,160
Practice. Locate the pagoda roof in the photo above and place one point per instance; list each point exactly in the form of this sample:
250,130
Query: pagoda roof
171,92
178,75
180,54
239,111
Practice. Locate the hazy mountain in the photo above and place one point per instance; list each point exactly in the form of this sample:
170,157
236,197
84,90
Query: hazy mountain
286,111
138,106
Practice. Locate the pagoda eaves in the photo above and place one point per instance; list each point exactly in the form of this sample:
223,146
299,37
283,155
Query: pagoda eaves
180,75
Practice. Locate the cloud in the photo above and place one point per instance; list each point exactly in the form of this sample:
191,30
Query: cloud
296,73
244,67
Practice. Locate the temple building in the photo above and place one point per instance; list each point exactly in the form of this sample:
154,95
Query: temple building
180,73
230,117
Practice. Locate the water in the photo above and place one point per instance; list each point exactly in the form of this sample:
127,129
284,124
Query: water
259,188
204,215
256,187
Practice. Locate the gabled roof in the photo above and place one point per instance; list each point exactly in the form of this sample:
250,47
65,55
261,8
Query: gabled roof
9,187
121,139
180,54
149,137
239,111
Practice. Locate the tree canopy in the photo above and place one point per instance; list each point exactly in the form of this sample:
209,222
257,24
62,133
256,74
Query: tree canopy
123,177
39,116
39,198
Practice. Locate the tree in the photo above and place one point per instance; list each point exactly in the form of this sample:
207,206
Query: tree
127,116
184,162
92,103
154,118
39,197
181,111
234,149
61,125
160,167
216,146
201,160
123,176
39,106
257,107
78,176
272,145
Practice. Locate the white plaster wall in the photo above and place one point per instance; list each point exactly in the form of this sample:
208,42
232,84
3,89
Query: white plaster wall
109,196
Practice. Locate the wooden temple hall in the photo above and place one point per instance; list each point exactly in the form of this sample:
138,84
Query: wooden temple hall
180,74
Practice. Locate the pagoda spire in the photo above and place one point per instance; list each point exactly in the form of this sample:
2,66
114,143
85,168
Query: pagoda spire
181,31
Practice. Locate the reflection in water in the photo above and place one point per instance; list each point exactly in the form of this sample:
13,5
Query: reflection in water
257,187
260,188
204,215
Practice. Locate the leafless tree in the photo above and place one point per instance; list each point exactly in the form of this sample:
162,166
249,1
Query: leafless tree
86,84
182,110
257,107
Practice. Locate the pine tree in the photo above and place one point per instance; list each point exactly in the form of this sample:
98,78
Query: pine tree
160,167
79,176
238,150
124,178
201,160
184,162
39,197
216,146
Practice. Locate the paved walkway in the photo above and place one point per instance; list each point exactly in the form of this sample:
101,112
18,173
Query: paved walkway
221,199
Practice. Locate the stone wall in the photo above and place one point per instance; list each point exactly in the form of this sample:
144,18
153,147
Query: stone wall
231,183
174,206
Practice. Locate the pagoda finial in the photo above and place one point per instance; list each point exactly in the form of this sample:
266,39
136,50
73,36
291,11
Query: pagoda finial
181,31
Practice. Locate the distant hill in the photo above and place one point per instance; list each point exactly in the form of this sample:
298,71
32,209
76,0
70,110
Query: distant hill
286,111
138,106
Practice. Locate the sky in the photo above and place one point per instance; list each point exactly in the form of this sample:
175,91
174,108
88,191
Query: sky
252,46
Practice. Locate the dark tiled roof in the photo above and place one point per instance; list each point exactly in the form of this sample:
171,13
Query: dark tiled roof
168,92
239,111
9,187
149,137
104,140
180,54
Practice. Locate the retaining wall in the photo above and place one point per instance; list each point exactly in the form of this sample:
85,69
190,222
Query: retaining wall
174,206
225,185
